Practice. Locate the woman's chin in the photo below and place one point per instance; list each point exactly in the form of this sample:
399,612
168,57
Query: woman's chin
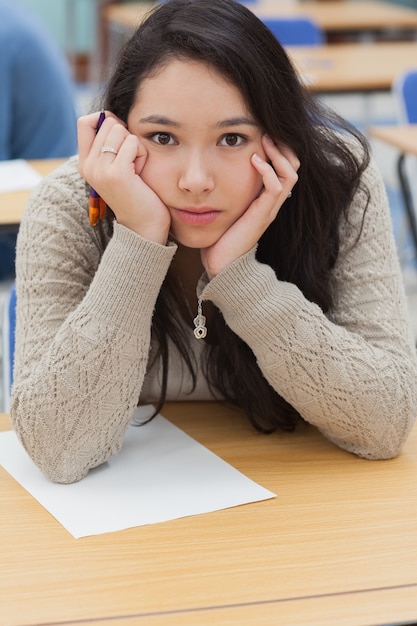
198,240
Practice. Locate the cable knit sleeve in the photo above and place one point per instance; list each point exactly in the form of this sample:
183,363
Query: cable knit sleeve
352,373
83,329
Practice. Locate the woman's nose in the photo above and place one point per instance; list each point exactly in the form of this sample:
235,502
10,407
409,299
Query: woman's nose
196,175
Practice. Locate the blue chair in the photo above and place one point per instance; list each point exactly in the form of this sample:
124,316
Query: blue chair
405,94
295,31
404,91
8,338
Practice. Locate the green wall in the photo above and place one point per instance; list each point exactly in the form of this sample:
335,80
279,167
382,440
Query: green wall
71,22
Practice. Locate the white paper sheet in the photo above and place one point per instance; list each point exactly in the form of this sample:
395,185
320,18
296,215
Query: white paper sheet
160,474
17,175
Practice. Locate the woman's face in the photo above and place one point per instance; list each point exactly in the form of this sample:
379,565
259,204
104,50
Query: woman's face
199,137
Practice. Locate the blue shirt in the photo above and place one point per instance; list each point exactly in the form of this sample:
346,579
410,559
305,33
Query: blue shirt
37,95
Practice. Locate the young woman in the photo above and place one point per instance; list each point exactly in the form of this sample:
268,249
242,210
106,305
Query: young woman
234,200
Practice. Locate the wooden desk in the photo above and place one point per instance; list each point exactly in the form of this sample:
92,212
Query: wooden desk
332,68
338,545
13,203
126,17
404,139
332,16
336,68
346,17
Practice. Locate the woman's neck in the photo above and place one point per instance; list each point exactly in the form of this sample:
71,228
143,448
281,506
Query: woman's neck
187,269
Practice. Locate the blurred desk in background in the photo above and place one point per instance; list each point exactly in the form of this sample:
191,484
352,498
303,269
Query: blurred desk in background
12,203
367,19
364,19
404,139
355,66
350,67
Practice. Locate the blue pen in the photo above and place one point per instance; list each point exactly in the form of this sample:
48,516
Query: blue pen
97,206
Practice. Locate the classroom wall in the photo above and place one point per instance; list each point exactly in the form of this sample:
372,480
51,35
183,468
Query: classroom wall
407,3
71,22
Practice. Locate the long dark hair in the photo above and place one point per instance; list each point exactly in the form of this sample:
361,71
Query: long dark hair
302,244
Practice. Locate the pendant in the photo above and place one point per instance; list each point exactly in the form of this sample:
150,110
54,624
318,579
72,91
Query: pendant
200,330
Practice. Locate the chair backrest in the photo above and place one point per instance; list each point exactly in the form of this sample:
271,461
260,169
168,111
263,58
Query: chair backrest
295,31
405,94
8,333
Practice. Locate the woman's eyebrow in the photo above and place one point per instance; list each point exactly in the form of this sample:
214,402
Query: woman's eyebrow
227,123
158,119
236,121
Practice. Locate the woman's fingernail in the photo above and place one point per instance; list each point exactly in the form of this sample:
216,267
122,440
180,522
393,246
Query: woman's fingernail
269,140
257,158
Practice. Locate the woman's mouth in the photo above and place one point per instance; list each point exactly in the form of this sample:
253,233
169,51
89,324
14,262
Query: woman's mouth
200,216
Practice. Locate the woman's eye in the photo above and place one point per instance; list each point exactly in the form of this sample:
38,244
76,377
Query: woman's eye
232,140
163,139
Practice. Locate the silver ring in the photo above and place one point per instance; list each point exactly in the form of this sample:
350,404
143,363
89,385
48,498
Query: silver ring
108,149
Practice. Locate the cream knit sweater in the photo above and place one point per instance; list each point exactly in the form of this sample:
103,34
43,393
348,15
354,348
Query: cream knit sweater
85,313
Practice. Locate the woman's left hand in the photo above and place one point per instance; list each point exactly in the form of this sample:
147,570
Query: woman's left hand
278,180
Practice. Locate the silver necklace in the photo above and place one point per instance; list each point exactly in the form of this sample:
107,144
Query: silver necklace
200,330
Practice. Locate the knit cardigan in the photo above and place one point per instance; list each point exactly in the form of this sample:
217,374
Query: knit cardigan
84,317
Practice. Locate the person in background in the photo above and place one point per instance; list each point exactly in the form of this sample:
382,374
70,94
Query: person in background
37,100
246,255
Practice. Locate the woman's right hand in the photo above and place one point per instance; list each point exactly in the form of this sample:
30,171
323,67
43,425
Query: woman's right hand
116,177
